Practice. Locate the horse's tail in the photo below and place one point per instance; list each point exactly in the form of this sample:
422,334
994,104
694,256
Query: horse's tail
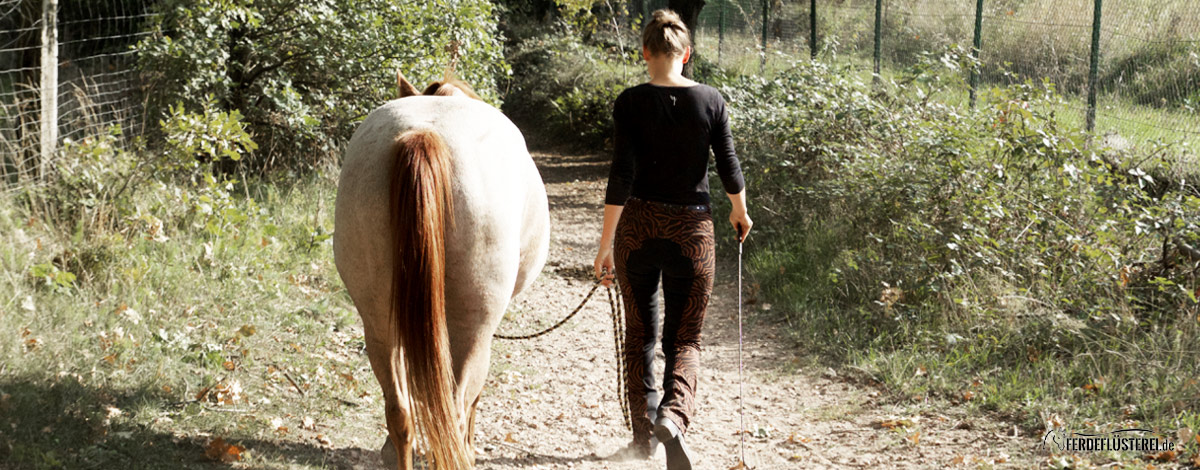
420,209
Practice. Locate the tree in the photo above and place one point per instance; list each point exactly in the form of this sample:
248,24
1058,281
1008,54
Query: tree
689,11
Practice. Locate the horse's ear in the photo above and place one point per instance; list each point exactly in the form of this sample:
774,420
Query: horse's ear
406,89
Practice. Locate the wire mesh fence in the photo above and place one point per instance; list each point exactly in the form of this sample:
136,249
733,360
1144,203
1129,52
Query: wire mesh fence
67,71
1146,81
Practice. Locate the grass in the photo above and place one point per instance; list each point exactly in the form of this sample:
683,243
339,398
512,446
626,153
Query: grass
1092,381
166,341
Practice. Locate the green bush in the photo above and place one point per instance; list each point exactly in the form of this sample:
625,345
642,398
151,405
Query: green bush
902,233
562,88
92,182
304,73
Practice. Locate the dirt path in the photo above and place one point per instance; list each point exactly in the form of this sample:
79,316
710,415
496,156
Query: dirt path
550,402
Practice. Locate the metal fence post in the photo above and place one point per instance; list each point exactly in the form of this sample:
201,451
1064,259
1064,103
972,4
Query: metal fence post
1094,73
812,28
49,85
975,49
878,38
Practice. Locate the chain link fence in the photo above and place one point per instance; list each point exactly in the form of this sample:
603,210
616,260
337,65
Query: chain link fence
1146,80
67,71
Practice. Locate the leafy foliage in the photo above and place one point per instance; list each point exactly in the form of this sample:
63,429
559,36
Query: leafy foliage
899,231
564,88
304,73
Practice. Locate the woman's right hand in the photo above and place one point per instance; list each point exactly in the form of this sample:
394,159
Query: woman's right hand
741,223
604,267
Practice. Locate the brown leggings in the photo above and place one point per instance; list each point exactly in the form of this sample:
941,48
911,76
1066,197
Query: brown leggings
675,243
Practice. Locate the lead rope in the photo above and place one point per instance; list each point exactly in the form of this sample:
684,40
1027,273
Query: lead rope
562,322
741,382
618,318
616,308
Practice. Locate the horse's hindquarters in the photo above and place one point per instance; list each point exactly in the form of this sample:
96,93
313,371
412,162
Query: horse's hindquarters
495,243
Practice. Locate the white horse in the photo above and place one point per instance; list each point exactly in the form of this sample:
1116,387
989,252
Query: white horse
441,220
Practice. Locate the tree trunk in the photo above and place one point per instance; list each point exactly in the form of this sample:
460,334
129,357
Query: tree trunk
689,10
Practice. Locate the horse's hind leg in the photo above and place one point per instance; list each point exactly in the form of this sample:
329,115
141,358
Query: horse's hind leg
389,370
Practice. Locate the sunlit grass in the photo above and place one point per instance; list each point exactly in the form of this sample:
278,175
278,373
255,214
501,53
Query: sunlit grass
168,340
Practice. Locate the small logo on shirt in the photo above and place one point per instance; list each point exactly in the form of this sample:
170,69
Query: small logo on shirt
672,100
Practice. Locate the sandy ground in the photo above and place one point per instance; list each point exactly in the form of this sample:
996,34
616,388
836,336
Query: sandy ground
551,402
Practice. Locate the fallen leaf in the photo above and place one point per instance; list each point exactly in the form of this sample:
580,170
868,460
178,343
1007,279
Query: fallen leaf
915,438
740,466
508,438
247,330
321,439
222,451
1164,456
229,365
895,423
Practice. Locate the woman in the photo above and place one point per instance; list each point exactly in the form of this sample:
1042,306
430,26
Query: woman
658,214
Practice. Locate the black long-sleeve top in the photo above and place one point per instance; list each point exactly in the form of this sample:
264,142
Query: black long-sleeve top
661,143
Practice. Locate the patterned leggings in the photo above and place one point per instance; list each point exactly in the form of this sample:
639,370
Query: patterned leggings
677,243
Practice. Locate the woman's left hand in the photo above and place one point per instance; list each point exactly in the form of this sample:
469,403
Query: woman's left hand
604,266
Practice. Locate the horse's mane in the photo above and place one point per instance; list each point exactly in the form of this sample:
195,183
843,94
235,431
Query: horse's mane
446,87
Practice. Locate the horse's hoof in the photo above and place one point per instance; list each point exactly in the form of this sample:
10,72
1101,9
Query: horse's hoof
388,454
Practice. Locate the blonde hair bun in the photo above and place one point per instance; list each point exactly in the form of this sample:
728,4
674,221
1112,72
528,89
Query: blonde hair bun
666,33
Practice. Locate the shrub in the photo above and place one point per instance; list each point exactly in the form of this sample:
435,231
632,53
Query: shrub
562,89
900,232
91,185
303,73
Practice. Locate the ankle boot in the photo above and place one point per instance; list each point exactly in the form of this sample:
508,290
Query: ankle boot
679,457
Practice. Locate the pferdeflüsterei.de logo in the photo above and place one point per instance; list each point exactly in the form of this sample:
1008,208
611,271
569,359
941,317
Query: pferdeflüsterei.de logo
1123,440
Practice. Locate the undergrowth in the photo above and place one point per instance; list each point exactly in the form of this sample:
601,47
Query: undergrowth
158,313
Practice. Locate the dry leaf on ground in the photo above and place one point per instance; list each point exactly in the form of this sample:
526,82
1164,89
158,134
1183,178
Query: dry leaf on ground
222,451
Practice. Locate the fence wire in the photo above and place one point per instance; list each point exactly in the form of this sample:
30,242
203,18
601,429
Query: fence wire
1148,78
97,86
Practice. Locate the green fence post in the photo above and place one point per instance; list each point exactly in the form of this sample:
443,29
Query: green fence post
878,38
812,28
1094,73
975,50
720,30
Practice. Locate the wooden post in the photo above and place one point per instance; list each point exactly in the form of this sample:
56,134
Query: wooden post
812,29
766,18
721,30
49,85
1094,73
